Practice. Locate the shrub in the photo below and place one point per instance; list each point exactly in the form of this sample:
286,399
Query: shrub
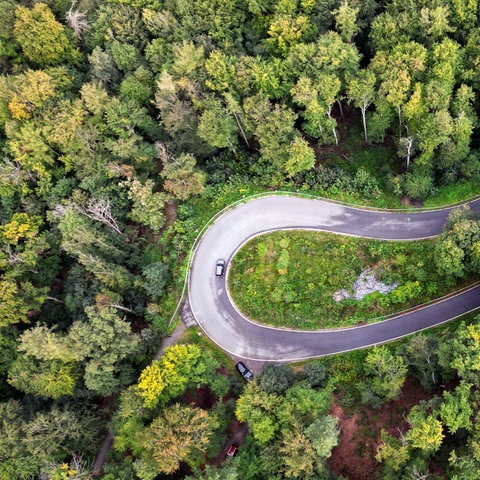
418,186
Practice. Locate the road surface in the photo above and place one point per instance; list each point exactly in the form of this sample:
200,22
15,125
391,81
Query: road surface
228,328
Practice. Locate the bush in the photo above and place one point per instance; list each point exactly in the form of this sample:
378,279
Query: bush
365,184
418,186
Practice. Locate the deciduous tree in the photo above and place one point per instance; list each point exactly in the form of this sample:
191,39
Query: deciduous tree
44,41
179,434
386,375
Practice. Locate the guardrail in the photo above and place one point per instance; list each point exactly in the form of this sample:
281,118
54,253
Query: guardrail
293,194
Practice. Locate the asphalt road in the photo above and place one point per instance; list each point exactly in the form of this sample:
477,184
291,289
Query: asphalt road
214,312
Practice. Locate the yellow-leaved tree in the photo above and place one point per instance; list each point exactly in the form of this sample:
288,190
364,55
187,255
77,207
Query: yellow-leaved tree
180,367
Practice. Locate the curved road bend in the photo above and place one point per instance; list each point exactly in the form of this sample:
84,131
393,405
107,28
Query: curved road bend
239,336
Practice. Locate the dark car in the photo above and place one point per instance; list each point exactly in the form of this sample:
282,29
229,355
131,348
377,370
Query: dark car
244,371
220,268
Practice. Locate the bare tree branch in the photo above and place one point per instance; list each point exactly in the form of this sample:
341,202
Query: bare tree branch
77,21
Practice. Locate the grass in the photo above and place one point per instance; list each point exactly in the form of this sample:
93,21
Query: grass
287,279
448,194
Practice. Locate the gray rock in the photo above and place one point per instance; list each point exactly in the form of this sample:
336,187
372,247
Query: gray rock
365,283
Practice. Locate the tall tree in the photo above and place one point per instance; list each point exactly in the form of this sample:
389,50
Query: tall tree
179,434
346,20
44,41
361,91
273,126
386,375
49,379
148,205
180,367
103,342
426,432
298,455
456,410
181,178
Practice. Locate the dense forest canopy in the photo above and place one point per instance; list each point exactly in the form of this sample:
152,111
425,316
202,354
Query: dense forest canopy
123,125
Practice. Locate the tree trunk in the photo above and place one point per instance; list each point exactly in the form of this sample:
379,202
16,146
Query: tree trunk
125,309
340,107
241,129
399,123
364,118
329,111
53,299
335,135
409,149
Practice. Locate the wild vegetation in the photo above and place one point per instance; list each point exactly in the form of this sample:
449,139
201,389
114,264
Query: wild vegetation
124,125
289,278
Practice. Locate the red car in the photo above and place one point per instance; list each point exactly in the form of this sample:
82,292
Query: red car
232,450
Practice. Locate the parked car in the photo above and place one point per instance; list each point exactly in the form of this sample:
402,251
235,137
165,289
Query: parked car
220,268
244,371
232,450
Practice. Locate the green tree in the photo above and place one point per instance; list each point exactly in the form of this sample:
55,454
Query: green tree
258,408
346,21
299,456
449,258
217,127
15,460
456,410
302,401
175,100
155,279
179,434
102,66
426,432
316,374
392,452
28,442
30,149
126,56
148,205
287,30
44,41
187,58
276,379
421,353
228,471
318,100
44,344
397,70
323,433
103,342
386,375
50,379
19,301
273,127
8,46
455,246
302,157
464,353
182,180
361,92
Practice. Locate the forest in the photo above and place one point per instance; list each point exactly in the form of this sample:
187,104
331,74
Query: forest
124,126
